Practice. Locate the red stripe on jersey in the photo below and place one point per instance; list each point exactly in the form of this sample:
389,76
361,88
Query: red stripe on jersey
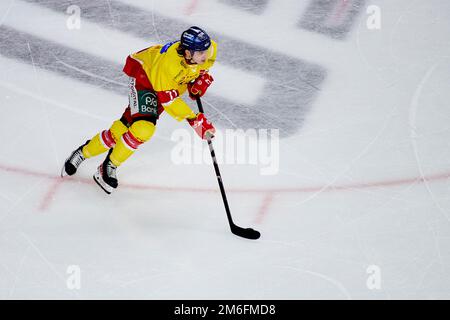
108,138
131,140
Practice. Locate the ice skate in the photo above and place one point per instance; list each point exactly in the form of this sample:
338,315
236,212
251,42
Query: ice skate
105,176
73,161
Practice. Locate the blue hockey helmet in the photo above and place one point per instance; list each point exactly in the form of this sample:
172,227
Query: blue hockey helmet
195,39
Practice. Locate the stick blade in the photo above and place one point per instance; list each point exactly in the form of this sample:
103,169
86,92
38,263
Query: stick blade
248,233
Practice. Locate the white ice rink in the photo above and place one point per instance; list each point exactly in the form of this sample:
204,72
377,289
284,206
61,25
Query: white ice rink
358,209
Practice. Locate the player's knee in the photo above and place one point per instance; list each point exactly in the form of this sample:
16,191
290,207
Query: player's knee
142,130
118,129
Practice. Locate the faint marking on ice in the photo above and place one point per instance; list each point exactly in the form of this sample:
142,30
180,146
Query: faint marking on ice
255,7
220,112
363,58
147,278
284,85
6,197
23,196
334,282
413,135
50,101
154,23
355,159
47,262
436,243
6,268
247,89
93,75
332,18
424,275
110,11
47,118
394,28
7,12
374,69
16,274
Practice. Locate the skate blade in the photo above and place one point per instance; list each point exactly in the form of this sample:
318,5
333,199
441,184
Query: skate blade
102,184
63,171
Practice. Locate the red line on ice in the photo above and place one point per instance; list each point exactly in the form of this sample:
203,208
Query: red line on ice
191,7
343,187
268,198
341,8
266,202
50,194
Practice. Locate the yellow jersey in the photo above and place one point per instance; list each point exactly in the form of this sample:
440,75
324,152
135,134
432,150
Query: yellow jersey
166,70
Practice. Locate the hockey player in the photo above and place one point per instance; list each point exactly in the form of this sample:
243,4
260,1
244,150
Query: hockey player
159,75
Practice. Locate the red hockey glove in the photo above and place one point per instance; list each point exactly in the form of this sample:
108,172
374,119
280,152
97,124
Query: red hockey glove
202,126
199,86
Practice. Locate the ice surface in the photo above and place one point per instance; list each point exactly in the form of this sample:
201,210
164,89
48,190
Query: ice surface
364,154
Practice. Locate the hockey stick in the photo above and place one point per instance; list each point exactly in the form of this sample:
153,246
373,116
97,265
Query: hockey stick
248,233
